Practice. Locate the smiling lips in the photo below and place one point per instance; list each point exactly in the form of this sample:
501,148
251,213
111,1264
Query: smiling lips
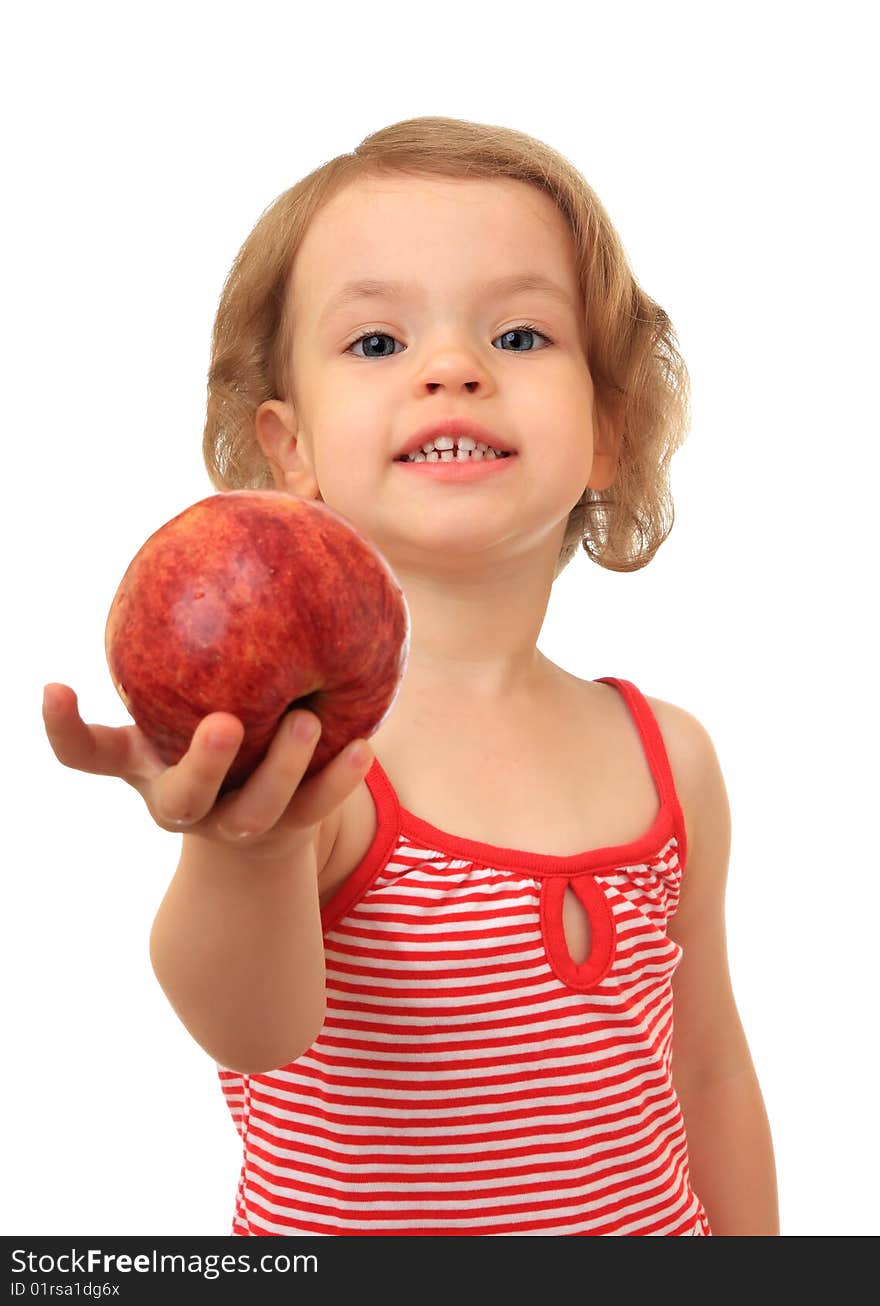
447,449
453,435
450,464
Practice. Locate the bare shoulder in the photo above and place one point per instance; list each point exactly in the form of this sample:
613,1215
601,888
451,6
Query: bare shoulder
688,742
702,792
696,769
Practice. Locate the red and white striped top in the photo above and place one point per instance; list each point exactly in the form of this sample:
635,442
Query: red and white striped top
470,1077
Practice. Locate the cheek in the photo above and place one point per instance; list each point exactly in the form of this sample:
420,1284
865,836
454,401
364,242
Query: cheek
346,472
563,416
562,387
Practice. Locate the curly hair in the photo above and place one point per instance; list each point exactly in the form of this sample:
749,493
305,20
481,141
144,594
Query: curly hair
633,355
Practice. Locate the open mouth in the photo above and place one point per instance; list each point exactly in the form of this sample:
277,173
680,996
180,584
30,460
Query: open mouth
447,450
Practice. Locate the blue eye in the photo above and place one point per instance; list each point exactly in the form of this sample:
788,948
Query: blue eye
524,328
372,337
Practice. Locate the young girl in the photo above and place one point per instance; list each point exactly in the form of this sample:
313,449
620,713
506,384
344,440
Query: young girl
437,978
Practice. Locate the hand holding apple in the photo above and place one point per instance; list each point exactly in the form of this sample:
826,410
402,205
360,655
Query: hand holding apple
255,602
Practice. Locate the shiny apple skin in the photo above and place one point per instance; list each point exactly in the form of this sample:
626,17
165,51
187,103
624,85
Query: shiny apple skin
255,602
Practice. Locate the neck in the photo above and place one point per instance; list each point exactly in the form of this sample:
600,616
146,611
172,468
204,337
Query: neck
473,641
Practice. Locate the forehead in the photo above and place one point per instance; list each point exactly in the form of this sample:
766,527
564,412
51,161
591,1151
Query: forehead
445,230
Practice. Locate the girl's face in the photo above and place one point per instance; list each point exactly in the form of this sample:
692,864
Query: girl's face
443,351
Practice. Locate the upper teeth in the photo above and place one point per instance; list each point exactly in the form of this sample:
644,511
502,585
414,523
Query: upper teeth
443,448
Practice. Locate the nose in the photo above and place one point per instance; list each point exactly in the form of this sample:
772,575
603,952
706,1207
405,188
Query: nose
454,369
433,386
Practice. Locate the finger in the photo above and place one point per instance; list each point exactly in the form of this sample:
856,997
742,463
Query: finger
256,807
275,796
186,792
101,750
323,792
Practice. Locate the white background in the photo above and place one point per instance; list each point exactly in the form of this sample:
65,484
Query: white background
732,148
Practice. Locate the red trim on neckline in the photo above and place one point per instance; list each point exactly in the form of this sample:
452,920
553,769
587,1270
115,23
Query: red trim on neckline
667,822
392,820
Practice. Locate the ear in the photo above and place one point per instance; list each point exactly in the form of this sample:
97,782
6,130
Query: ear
607,438
279,437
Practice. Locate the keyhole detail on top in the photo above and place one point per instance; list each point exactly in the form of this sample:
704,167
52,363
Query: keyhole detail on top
576,927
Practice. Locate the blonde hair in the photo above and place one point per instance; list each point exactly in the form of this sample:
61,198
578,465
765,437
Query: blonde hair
637,370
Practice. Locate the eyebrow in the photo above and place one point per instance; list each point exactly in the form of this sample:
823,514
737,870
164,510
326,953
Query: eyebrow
367,288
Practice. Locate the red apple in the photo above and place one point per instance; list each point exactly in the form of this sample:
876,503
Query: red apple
255,602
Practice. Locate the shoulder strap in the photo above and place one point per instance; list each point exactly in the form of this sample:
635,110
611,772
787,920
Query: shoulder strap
655,751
